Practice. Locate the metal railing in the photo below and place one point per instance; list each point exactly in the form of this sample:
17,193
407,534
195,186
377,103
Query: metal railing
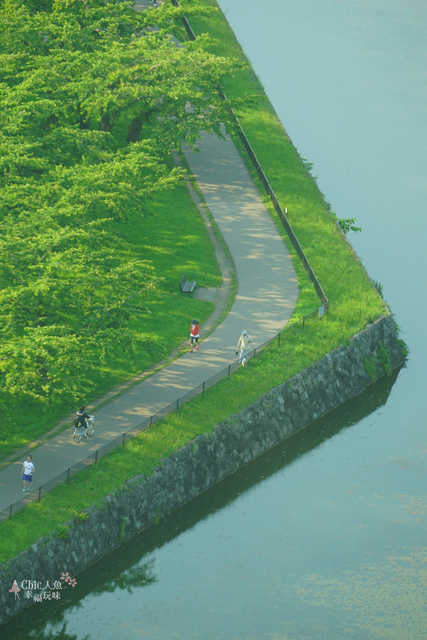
65,476
267,186
287,225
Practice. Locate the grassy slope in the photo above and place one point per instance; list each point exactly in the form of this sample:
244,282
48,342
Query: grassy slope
354,303
173,236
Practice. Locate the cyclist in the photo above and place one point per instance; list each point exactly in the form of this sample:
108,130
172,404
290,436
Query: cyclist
81,420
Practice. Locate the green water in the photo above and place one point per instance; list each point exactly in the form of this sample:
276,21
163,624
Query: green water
321,538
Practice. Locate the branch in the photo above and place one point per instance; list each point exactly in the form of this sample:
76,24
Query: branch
134,294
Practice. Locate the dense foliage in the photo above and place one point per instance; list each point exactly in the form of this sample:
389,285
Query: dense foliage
94,96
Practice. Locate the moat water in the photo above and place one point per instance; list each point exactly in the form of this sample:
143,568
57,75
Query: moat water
323,538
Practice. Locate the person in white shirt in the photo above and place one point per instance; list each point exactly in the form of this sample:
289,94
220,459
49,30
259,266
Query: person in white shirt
28,470
243,347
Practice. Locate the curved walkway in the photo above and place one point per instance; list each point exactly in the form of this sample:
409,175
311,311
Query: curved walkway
266,296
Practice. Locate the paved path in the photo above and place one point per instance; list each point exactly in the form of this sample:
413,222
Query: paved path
266,296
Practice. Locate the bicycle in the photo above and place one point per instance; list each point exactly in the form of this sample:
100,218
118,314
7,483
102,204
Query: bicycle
80,432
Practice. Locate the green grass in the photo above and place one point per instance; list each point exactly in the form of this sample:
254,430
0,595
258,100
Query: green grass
354,303
173,236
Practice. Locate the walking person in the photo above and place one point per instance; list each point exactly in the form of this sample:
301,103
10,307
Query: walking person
243,347
194,334
28,469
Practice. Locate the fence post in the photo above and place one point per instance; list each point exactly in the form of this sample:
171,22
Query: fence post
40,493
203,387
229,370
68,475
278,342
124,436
96,456
177,403
10,510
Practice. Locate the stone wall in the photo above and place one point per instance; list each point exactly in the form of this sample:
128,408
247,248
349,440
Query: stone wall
328,383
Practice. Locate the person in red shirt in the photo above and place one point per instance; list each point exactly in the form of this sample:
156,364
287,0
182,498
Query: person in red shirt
194,334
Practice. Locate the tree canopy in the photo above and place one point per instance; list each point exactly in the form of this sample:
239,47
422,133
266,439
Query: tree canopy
94,96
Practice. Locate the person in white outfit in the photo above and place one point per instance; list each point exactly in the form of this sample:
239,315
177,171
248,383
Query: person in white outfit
27,471
243,347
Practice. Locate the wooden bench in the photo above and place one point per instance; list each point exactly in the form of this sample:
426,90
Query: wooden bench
186,286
